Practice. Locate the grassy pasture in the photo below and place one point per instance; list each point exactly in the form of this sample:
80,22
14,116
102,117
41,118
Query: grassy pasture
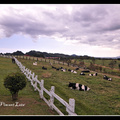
99,62
33,104
102,63
102,99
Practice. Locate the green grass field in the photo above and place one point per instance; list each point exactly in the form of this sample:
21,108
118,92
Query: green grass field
33,104
99,62
104,64
102,99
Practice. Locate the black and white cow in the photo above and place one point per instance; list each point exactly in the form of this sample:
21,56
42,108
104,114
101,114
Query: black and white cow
78,86
82,73
69,70
107,78
13,60
53,67
73,71
90,74
95,74
77,69
86,71
61,68
57,69
34,63
44,68
64,70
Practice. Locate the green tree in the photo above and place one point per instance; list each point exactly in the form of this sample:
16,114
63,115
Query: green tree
112,64
68,61
15,82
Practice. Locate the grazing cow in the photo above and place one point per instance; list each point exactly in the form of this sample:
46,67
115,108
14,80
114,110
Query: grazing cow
78,86
13,60
90,74
69,70
77,69
35,63
64,70
82,73
95,74
73,71
44,68
57,69
53,67
85,71
107,78
61,67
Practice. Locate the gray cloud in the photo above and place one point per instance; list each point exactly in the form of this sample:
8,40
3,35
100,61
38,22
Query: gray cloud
90,14
88,24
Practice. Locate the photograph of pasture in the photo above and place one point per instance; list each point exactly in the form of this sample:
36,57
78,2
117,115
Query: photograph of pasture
60,59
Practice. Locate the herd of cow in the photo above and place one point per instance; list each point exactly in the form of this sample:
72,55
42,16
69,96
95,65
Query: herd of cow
76,86
73,85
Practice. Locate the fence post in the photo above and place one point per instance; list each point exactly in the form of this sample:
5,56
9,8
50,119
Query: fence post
41,91
71,106
35,85
52,97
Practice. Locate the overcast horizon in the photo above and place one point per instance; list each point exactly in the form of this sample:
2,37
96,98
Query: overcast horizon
81,29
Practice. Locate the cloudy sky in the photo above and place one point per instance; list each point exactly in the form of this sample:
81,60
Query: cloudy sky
82,29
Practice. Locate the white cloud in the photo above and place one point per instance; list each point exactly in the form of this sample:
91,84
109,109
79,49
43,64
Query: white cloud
73,24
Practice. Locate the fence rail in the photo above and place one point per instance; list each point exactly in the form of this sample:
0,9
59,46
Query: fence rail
70,107
52,61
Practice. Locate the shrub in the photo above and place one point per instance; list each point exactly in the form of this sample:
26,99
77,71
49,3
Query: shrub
15,82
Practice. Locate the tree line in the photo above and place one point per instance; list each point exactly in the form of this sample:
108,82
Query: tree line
68,58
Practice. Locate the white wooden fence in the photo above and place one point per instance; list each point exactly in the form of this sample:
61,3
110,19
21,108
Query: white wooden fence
39,86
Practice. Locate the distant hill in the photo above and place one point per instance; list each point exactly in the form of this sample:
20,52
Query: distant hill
15,53
38,54
35,53
45,54
18,53
74,55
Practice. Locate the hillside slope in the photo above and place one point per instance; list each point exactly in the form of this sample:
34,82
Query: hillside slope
102,99
31,100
